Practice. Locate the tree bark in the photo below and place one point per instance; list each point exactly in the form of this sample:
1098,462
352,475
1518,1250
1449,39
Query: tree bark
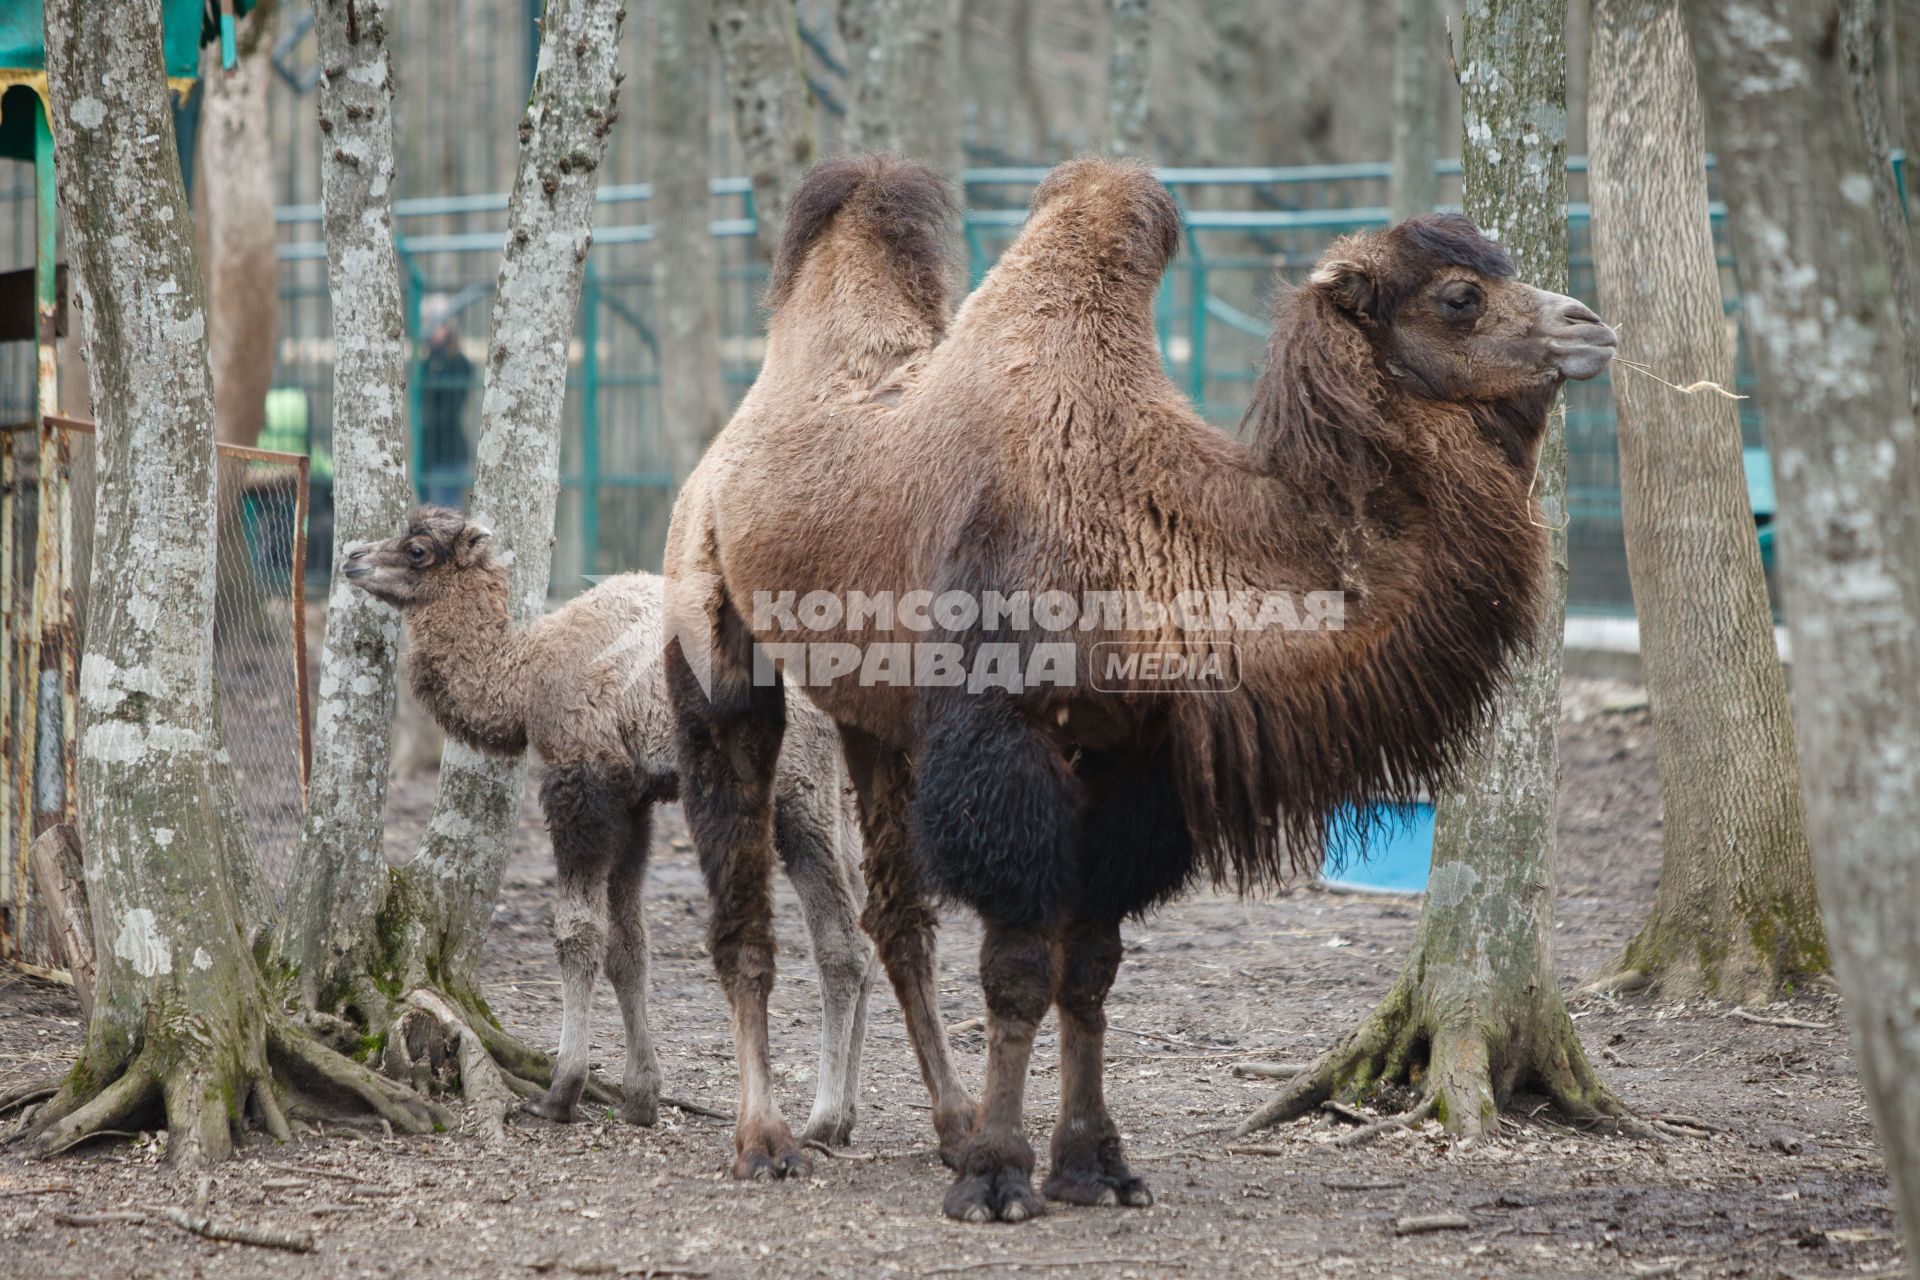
759,42
429,925
60,887
685,277
234,189
903,59
339,876
1736,915
1129,76
1416,141
181,1021
1828,356
1861,28
1476,1012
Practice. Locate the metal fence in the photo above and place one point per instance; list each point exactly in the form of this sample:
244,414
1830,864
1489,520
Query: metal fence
1244,227
47,492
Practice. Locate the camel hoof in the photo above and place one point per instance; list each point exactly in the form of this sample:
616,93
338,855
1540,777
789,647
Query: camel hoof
829,1131
640,1109
549,1110
764,1166
1004,1194
1075,1183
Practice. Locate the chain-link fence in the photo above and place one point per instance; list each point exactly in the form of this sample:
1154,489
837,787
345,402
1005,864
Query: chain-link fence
47,491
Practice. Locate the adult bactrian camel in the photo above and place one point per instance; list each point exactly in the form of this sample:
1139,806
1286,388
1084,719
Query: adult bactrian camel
1040,449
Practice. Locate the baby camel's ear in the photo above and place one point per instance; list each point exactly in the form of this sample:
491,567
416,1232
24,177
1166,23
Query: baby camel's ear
1346,283
471,546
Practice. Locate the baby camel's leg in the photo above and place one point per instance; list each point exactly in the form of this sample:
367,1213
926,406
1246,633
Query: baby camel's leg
627,968
806,830
589,831
903,928
729,744
1088,1165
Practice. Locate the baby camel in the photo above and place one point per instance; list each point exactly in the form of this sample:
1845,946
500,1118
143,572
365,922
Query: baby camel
582,688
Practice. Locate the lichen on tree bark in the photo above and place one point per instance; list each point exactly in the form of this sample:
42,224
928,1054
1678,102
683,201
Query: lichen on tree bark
1476,1011
1832,379
183,1022
339,874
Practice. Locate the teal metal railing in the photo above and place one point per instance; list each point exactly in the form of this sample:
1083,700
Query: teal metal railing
1242,228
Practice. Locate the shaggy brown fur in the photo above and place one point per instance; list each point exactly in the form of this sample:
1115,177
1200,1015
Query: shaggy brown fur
582,687
1040,448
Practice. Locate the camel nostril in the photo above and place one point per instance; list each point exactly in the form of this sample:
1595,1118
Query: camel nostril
1578,314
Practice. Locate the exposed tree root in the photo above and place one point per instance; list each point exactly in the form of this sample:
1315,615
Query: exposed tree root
1453,1063
22,1096
206,1102
492,1090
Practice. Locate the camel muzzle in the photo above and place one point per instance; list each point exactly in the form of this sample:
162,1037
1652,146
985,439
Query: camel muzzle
1579,344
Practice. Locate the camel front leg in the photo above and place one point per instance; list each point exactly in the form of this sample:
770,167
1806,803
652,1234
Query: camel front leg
729,747
903,928
996,1165
1087,1164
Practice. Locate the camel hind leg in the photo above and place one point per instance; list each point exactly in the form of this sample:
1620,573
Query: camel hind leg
729,746
807,831
627,969
903,928
589,830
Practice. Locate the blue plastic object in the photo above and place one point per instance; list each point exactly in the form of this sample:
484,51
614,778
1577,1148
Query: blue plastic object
1397,856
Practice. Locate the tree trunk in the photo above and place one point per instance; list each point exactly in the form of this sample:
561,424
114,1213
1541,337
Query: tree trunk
685,279
60,887
234,190
1861,29
1129,77
759,43
182,1022
1416,103
1476,1012
903,59
1828,357
1736,915
404,946
339,876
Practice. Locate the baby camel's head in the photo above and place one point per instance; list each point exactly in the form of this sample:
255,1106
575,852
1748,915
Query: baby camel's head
424,563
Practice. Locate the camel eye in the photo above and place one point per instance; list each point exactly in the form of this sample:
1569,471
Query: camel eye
1460,301
416,553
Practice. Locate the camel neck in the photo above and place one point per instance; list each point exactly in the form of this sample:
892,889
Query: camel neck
465,668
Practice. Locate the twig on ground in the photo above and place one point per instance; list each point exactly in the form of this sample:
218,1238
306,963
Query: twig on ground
48,1189
860,1157
1258,1150
106,1218
240,1233
1767,1020
311,1171
1685,1121
1035,1264
1405,1120
1422,1223
695,1109
1269,1070
1362,1184
25,1094
87,1137
1352,1115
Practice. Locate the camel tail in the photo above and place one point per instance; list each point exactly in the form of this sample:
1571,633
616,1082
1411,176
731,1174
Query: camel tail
899,207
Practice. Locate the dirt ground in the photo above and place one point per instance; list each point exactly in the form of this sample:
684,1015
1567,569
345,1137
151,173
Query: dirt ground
1784,1180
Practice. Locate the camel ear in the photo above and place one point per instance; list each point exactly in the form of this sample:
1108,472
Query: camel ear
1346,283
473,539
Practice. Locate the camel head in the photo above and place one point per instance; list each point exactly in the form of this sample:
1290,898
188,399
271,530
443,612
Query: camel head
424,563
1438,303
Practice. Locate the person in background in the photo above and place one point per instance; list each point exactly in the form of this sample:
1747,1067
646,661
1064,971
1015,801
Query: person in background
446,379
